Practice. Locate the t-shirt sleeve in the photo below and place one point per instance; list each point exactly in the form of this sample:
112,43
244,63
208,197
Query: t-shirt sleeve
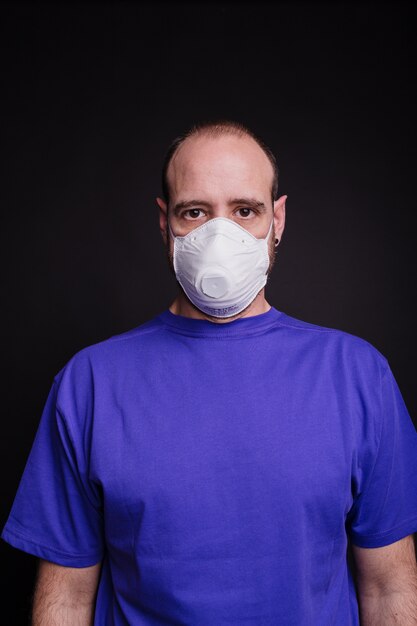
57,513
385,510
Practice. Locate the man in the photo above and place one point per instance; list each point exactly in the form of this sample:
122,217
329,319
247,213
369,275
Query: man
209,466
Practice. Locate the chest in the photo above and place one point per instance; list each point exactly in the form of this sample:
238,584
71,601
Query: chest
222,450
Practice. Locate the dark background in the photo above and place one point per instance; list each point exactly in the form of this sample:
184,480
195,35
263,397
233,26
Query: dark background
92,94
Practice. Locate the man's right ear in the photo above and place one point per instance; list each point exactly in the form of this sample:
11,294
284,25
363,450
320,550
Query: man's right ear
163,219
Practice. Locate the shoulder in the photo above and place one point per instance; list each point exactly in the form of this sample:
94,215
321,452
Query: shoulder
347,349
93,364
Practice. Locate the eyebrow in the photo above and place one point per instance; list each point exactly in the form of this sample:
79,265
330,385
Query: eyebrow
249,202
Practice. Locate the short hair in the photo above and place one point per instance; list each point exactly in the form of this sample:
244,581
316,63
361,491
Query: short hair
216,129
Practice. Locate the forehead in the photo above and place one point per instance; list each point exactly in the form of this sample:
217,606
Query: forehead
231,164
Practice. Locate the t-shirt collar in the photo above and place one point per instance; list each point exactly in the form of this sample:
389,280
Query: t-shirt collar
244,326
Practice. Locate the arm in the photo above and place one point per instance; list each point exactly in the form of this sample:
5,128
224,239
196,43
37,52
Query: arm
387,584
64,596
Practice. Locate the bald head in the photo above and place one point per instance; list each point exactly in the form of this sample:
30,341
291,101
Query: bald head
203,135
205,163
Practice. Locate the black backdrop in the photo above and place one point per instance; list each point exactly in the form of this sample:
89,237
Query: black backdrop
91,96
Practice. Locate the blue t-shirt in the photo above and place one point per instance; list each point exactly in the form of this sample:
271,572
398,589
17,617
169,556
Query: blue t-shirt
217,470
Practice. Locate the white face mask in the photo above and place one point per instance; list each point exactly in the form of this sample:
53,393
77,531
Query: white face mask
221,266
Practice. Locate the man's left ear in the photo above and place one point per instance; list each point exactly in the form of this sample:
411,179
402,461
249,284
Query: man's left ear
279,216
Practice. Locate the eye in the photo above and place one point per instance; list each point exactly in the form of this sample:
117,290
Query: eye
245,212
193,213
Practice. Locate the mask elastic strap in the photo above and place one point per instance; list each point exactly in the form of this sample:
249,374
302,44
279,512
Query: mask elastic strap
170,230
269,230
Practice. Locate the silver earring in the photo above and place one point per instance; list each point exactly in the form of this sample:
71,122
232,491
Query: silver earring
276,242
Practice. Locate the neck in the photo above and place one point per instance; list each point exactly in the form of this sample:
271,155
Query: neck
182,306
